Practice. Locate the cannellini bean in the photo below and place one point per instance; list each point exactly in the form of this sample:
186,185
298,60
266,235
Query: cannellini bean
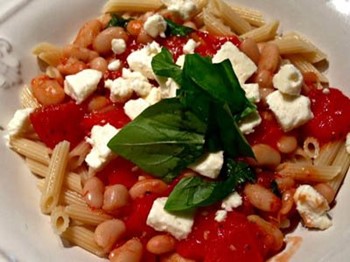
131,251
269,58
266,155
161,244
143,37
115,197
71,66
103,41
97,103
264,79
287,144
93,192
264,92
147,186
287,202
262,198
134,27
174,257
47,91
108,233
250,48
88,33
99,63
190,24
326,191
270,230
284,183
104,19
80,53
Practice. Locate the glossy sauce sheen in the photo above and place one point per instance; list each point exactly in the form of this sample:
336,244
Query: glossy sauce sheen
235,239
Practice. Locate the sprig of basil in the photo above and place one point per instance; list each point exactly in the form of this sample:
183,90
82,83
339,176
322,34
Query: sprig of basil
196,191
118,21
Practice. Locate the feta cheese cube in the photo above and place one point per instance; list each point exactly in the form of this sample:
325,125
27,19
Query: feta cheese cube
248,123
154,96
134,107
252,92
241,63
312,207
220,215
290,111
114,65
20,122
138,82
232,201
100,153
189,47
209,165
178,225
347,143
288,80
82,84
118,46
140,60
180,61
185,8
120,89
155,25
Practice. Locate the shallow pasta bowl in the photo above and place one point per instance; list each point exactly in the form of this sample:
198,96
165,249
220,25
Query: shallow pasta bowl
26,234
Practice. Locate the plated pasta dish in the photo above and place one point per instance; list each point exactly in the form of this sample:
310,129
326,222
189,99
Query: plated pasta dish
183,130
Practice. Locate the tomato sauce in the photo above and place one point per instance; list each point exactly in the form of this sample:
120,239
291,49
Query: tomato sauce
331,115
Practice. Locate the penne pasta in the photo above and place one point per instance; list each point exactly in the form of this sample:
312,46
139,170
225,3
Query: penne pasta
292,46
78,154
299,156
27,99
264,33
48,53
115,6
31,149
328,152
215,25
87,215
342,159
252,16
59,220
83,238
54,178
311,147
308,172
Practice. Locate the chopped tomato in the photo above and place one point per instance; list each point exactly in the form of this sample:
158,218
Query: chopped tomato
55,123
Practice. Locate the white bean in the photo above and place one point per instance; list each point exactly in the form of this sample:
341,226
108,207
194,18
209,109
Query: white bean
115,197
108,233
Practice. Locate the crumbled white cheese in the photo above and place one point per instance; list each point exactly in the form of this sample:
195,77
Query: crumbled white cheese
180,61
20,122
220,215
140,60
326,91
290,111
288,80
100,153
189,47
248,123
312,207
168,87
209,165
252,92
134,107
155,25
178,225
232,201
154,96
114,65
138,82
185,8
118,46
82,84
347,143
241,63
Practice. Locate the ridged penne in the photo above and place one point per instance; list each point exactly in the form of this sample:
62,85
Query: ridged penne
83,238
232,19
292,46
27,99
78,154
252,16
342,159
48,53
299,156
31,149
59,220
264,33
308,172
54,178
328,152
215,25
311,147
114,6
87,215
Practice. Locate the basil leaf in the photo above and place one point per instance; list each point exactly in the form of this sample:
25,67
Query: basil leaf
163,65
118,21
196,191
163,140
177,30
275,189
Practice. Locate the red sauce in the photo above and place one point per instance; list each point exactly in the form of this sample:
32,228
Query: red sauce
235,239
331,115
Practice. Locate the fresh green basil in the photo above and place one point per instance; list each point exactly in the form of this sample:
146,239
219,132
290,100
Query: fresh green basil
176,29
196,191
118,21
163,140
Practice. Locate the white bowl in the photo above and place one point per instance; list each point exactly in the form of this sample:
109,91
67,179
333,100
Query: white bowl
25,234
